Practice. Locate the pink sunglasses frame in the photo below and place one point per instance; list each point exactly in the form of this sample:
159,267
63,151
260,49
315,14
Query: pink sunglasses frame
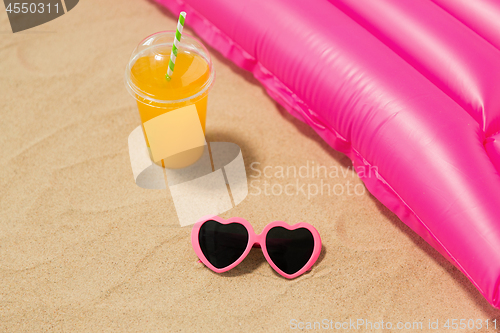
259,239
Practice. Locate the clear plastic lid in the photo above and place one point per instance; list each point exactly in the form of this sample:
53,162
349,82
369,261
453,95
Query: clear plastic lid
145,73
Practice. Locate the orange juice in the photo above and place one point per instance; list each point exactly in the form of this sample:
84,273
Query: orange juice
173,139
190,75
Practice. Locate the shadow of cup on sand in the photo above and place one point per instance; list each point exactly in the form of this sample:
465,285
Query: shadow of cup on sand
255,259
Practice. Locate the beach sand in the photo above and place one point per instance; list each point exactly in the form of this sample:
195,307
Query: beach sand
84,249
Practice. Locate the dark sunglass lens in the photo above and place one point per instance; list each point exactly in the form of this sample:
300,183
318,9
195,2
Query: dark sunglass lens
290,250
222,244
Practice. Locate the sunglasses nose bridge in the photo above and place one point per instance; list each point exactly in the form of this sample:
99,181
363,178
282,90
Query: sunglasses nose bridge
258,240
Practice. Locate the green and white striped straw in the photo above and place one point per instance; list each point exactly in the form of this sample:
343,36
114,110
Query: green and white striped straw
177,40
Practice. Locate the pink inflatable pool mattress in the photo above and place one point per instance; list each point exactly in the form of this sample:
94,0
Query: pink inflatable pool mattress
410,88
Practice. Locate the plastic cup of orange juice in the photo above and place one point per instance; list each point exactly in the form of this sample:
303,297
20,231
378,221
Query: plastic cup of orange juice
178,131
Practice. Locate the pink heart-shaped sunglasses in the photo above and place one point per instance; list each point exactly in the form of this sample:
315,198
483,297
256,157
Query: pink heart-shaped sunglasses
222,244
